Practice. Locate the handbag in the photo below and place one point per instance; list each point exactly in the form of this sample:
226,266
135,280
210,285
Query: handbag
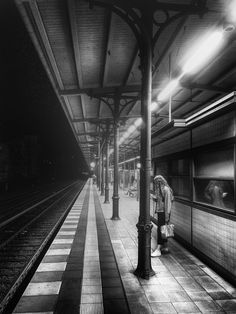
167,231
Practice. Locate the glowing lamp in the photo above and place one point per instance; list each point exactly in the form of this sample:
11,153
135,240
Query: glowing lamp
92,164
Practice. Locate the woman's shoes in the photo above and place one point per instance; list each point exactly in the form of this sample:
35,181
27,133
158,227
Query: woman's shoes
165,250
156,253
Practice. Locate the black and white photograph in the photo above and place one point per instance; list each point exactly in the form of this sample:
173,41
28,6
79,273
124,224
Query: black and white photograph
118,156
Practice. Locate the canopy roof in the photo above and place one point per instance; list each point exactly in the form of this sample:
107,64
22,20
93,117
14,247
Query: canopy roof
92,59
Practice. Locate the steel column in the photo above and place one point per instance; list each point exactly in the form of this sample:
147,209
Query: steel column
107,169
99,167
102,175
144,226
115,197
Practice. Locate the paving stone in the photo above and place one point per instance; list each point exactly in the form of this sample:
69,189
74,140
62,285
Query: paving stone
42,288
115,306
47,276
207,306
32,304
91,308
227,305
162,307
186,307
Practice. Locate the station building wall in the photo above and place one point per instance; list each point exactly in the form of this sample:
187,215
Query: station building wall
191,161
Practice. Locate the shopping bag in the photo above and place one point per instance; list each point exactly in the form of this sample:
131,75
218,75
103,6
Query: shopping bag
167,231
154,237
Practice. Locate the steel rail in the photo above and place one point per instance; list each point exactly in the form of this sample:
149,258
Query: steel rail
38,252
33,206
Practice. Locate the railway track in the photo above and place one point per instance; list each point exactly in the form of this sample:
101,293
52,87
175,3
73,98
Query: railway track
17,202
24,238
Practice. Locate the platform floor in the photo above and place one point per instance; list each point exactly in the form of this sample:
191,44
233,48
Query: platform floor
89,269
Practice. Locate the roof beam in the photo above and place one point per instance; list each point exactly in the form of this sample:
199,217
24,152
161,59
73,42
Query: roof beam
101,91
107,49
31,15
89,142
88,133
197,8
203,87
169,44
106,91
44,38
130,67
76,49
166,49
106,62
104,119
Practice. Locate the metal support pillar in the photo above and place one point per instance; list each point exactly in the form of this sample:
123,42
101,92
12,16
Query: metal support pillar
102,175
115,197
107,169
99,167
144,226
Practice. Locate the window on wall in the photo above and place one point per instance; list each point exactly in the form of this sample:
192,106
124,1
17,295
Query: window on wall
179,177
214,178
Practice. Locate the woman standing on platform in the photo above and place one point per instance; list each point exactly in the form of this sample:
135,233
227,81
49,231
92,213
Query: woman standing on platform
163,198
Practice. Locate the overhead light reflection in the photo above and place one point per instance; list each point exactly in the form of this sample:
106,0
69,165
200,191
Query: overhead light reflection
204,50
168,90
131,129
154,106
138,122
232,11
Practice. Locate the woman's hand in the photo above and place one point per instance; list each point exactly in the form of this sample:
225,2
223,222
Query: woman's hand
167,219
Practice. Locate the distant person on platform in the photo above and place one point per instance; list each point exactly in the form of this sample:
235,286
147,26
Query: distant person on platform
94,178
163,198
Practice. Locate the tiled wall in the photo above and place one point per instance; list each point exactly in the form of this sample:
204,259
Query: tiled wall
181,218
215,236
211,234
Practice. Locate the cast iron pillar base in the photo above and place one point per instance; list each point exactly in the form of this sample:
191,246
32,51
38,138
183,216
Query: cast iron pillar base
115,214
102,190
144,268
106,201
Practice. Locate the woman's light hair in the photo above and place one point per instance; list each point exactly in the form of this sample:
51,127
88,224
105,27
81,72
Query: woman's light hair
161,179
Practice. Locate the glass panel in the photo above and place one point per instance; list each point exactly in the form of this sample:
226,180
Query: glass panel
162,168
219,193
180,186
179,177
179,167
216,164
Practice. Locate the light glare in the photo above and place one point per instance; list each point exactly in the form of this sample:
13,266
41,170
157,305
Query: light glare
138,122
206,48
232,11
131,129
154,106
168,90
